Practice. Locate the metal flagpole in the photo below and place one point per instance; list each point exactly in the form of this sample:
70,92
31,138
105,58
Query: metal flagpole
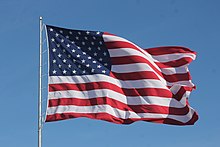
40,87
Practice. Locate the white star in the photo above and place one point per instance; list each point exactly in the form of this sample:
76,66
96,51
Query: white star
64,60
73,50
83,61
59,55
86,38
92,70
95,54
70,32
87,32
67,37
74,71
104,53
89,48
79,33
54,61
74,60
84,53
84,72
99,48
93,61
106,64
87,65
64,71
68,45
69,65
100,59
100,42
83,43
57,34
64,50
52,39
69,56
59,66
94,37
103,71
54,50
62,40
77,38
78,47
54,71
58,45
77,55
99,66
79,66
89,57
51,29
61,31
97,33
92,43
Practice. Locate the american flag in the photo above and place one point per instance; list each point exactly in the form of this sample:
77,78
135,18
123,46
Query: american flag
102,76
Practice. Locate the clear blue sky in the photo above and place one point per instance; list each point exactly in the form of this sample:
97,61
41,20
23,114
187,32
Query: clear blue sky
148,23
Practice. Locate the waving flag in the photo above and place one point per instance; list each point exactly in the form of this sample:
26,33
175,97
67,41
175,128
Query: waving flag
102,76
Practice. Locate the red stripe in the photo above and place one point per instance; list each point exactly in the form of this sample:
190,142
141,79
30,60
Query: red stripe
174,63
180,93
168,50
135,75
120,44
105,85
175,122
110,118
139,59
144,108
128,60
177,77
151,75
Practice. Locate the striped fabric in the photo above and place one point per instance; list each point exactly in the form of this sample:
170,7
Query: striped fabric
143,84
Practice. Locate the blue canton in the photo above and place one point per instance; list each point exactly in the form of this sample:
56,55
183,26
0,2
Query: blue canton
77,52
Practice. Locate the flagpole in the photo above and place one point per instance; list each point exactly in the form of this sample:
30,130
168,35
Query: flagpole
40,87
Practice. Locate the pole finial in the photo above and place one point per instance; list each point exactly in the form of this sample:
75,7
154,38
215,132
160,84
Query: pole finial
41,17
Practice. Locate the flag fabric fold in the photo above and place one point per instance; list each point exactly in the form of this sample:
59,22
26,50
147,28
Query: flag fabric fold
102,76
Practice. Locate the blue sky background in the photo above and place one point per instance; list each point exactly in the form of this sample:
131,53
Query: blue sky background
148,23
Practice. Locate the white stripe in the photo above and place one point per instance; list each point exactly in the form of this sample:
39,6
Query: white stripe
172,57
128,100
111,38
121,52
116,112
145,83
176,70
175,88
182,83
134,67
